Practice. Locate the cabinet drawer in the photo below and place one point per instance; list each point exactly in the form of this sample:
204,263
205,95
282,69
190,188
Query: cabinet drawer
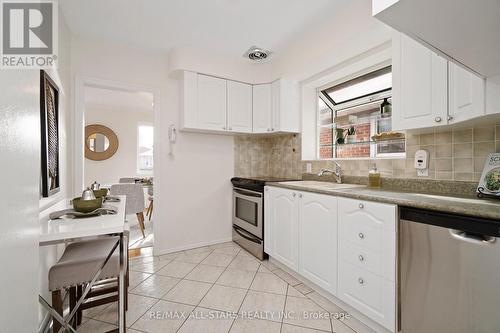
371,294
363,233
360,257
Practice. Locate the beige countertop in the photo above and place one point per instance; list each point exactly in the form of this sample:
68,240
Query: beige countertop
470,206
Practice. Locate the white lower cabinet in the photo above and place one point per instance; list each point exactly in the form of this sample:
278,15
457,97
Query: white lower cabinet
367,259
345,246
318,239
282,223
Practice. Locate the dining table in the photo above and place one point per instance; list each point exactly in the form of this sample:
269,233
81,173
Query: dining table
65,229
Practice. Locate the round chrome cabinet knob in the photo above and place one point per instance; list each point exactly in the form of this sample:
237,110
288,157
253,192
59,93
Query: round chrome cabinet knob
300,195
361,281
361,258
361,206
361,235
437,119
294,194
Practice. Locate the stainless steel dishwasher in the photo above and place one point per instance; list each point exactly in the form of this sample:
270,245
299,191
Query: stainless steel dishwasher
449,273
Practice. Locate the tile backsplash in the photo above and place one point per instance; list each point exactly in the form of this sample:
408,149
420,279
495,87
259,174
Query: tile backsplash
457,154
271,156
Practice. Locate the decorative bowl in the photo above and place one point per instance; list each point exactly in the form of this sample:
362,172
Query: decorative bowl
101,193
86,206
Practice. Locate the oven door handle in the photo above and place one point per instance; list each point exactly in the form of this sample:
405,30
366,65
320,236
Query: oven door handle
252,239
247,193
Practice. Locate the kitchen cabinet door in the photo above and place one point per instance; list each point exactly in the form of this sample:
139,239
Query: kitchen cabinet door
420,85
285,106
262,108
239,107
466,93
318,239
283,219
211,110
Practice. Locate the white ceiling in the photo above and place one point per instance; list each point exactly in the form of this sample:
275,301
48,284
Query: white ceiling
229,26
118,99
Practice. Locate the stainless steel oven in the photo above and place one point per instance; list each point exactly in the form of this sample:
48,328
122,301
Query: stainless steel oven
248,211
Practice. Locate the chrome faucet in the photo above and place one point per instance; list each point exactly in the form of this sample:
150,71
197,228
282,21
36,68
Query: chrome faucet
337,173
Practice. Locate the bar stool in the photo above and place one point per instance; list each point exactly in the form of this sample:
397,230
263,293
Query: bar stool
77,267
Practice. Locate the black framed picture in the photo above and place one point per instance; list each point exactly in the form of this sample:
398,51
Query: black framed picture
49,120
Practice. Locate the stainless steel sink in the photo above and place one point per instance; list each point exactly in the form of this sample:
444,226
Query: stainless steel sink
321,185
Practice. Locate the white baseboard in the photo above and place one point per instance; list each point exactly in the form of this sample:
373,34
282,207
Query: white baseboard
159,252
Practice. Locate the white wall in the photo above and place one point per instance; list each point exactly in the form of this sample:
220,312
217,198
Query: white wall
124,123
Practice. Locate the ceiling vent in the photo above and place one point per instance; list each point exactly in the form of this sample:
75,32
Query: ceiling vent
257,54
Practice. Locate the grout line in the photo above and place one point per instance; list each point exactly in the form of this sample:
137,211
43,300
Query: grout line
284,308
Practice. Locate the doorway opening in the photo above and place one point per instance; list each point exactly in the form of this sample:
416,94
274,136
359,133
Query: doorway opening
122,156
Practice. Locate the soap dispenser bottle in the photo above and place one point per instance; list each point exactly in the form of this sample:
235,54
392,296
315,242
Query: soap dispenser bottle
374,177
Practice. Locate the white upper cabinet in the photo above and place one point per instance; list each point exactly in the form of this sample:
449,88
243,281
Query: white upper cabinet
239,107
466,94
419,85
219,105
212,107
464,30
430,91
318,239
262,108
285,106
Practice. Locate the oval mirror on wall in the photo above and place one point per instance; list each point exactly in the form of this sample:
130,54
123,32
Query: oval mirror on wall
100,142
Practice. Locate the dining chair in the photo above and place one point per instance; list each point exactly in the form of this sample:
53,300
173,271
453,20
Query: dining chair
76,268
149,212
135,200
126,180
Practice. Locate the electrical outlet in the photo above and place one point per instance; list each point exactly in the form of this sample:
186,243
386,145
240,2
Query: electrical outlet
422,172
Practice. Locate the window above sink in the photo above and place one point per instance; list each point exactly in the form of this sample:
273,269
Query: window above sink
354,119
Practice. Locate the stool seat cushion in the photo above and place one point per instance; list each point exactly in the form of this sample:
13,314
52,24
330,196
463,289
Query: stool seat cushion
81,260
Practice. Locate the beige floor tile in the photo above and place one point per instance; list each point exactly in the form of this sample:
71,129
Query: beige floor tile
193,258
268,265
325,303
245,263
288,278
92,312
94,326
236,278
218,259
171,256
263,269
155,286
242,325
136,277
139,260
294,292
304,289
203,322
269,283
268,306
177,269
163,317
297,329
231,250
356,325
188,292
223,298
205,273
149,267
300,307
137,306
246,254
340,327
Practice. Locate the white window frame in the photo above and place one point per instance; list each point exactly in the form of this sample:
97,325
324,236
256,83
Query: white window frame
142,172
343,106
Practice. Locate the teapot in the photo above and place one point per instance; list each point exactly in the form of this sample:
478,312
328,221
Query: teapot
88,194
